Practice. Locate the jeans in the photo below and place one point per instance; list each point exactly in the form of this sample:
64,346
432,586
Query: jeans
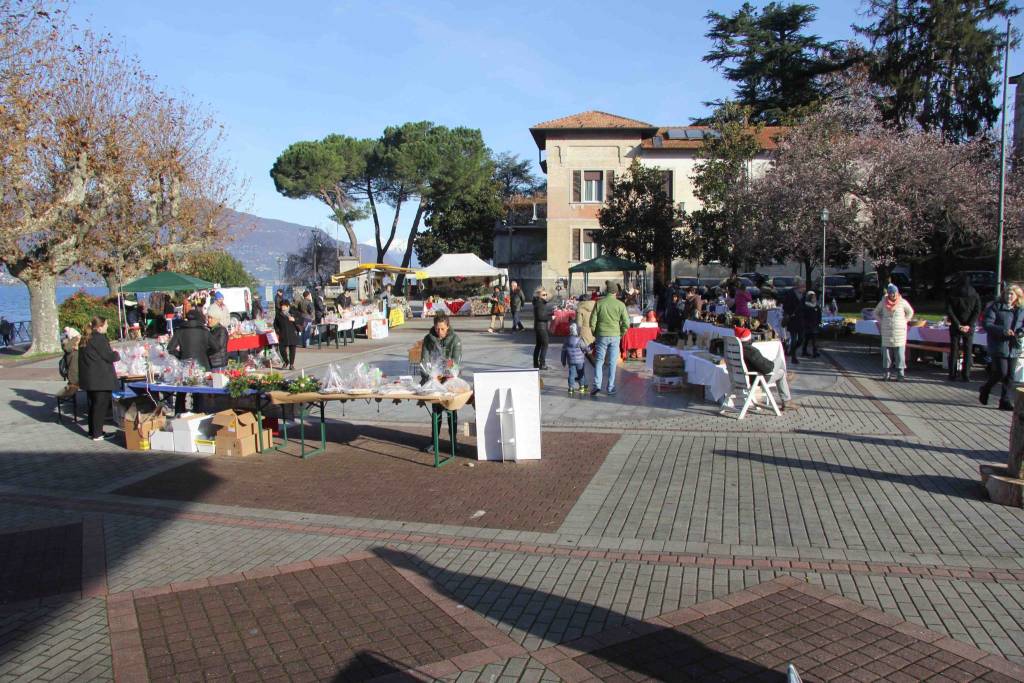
961,342
517,323
812,339
99,407
796,339
607,351
894,356
540,349
1000,370
307,332
576,373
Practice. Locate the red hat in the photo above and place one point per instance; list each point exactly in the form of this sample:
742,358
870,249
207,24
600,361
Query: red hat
652,317
742,333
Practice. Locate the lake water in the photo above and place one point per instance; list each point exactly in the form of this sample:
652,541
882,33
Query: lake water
14,299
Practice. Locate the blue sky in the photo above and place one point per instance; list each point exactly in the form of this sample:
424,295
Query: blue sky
275,72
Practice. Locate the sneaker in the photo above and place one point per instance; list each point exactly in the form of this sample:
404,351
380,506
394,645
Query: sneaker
490,331
888,377
595,391
1006,406
983,396
612,392
900,377
572,392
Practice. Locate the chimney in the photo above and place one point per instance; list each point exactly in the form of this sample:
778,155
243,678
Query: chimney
1018,116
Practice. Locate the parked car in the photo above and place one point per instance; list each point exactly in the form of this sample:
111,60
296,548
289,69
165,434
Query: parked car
710,286
836,287
871,292
780,284
855,277
983,281
757,278
686,281
754,290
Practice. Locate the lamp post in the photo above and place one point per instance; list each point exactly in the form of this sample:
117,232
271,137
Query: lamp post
1002,165
824,226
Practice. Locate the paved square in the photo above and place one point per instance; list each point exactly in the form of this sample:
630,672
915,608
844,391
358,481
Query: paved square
40,562
350,621
347,480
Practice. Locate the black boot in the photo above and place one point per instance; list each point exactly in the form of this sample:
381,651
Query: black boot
983,396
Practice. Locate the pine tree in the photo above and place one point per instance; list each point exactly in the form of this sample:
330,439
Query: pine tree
777,67
940,59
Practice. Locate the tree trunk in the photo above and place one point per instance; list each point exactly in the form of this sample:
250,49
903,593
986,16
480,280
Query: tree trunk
662,273
42,294
111,281
407,259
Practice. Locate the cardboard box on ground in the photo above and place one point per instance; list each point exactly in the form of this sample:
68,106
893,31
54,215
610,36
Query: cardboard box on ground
228,432
238,433
141,419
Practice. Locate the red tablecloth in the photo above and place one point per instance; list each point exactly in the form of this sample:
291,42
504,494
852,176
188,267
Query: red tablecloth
636,339
250,341
560,320
455,306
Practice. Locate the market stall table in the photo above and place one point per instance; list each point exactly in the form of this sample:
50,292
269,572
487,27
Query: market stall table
449,405
637,339
703,370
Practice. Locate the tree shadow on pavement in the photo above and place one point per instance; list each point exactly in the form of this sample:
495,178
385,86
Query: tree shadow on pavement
983,456
652,651
959,487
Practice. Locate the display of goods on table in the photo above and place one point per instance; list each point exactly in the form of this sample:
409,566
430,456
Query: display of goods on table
561,318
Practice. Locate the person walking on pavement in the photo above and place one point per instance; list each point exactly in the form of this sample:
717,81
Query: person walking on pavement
516,302
287,334
306,315
1004,324
541,318
608,322
96,374
963,306
497,302
810,313
893,313
792,320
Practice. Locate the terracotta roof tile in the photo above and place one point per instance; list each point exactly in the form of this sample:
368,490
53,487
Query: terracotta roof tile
593,119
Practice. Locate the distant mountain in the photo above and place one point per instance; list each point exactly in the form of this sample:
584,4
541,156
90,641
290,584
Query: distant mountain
259,242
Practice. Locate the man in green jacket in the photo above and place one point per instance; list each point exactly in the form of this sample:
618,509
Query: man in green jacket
608,322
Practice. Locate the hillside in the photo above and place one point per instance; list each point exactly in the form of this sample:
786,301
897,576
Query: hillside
259,242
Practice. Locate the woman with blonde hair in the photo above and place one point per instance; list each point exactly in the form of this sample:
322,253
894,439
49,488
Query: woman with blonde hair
1004,325
96,373
541,318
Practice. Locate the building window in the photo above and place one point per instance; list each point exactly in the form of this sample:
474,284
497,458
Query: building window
584,247
593,186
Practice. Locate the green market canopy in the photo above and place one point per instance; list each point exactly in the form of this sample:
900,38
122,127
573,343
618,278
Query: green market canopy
605,263
166,282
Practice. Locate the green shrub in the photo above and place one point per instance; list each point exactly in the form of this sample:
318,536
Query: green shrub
79,309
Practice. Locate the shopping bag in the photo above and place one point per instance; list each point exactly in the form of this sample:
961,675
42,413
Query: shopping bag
272,338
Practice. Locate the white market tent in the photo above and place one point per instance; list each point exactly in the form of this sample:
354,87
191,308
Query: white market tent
460,266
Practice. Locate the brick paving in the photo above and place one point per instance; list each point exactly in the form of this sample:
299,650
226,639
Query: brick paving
40,562
866,492
530,496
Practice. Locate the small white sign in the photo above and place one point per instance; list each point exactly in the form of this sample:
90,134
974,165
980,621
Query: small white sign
507,414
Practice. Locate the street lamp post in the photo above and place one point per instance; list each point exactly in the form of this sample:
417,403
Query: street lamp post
1002,165
824,226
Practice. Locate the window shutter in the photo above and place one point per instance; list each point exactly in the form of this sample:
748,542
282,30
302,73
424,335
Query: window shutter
575,244
609,181
577,186
667,180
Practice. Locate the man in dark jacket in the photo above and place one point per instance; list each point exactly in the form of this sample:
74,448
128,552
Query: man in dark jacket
752,357
218,347
319,306
963,306
541,318
673,316
792,320
307,312
287,334
516,301
192,340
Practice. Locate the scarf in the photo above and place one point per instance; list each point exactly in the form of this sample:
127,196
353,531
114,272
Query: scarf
891,305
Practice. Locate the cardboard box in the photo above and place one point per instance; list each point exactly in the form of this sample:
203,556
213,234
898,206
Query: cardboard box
188,427
268,440
161,441
237,424
138,430
228,445
377,329
205,446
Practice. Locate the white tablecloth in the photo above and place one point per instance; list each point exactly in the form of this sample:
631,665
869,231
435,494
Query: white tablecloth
921,335
715,378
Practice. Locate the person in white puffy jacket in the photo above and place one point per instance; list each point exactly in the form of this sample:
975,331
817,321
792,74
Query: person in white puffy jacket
893,313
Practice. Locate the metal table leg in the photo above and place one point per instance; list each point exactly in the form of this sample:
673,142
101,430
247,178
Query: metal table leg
303,452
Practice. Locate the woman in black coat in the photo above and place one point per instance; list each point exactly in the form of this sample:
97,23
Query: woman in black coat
96,374
218,347
541,318
192,340
287,334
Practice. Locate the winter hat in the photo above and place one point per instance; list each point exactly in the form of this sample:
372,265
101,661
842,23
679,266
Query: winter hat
217,296
742,333
70,333
892,289
574,330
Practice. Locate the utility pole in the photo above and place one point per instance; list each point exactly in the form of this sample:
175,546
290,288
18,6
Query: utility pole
824,227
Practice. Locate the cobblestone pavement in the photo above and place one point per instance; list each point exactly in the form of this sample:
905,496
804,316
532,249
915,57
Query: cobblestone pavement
860,506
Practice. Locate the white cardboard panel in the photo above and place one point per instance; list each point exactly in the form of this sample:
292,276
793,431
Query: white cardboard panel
491,390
